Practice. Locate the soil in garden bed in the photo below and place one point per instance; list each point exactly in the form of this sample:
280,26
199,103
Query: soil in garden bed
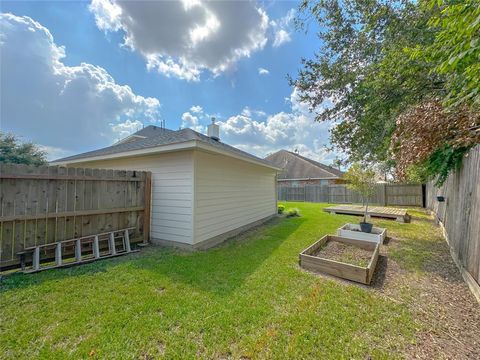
349,254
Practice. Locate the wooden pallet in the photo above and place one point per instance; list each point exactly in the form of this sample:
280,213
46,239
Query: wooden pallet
79,258
400,215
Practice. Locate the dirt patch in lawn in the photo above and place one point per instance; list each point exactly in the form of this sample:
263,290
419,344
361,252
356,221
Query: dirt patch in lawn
345,253
447,314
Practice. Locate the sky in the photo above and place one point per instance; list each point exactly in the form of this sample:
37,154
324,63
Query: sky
77,76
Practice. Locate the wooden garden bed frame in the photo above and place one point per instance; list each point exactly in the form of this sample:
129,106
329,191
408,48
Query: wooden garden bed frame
351,272
377,235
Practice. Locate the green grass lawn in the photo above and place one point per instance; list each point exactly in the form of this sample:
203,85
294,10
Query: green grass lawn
247,298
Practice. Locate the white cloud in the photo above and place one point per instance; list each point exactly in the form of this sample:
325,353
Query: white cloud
61,107
55,152
281,37
262,71
250,112
107,15
122,130
184,38
262,134
196,109
191,121
282,29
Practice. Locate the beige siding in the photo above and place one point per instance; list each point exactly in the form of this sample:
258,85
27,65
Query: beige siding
229,194
172,191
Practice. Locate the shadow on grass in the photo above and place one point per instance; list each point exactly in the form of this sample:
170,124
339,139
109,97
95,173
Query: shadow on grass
219,270
380,273
222,269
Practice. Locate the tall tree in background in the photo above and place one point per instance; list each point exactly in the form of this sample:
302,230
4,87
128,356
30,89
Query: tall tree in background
361,64
432,137
456,50
378,60
13,151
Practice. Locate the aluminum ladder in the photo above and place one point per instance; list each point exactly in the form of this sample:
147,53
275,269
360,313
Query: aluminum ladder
79,257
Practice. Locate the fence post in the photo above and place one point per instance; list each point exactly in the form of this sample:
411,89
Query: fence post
424,195
146,212
385,201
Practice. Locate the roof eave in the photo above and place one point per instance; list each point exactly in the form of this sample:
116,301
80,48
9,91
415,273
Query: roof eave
191,144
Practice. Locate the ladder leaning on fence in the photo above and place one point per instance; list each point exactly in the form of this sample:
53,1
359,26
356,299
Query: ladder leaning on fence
97,252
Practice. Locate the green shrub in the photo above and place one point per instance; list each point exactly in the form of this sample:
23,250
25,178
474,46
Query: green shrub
281,209
292,212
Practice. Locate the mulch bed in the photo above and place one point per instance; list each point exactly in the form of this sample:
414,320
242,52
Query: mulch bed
345,253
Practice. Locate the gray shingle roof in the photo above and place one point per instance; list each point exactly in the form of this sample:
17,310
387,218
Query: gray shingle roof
155,136
296,166
152,130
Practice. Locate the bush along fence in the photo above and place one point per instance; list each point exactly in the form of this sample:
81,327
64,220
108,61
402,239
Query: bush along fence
385,194
44,205
457,207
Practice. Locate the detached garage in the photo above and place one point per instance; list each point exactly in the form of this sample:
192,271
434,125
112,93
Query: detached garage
203,190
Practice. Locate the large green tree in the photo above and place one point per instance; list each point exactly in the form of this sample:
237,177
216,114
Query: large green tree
456,50
13,151
379,59
432,137
362,65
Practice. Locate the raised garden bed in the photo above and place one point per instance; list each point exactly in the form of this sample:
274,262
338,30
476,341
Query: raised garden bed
342,257
352,231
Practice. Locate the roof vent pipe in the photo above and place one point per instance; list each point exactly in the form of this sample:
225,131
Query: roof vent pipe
214,130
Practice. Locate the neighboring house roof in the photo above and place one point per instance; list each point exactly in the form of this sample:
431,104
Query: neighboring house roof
153,139
298,167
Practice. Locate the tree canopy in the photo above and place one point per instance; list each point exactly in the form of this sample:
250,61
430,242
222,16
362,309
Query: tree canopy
381,63
13,151
361,180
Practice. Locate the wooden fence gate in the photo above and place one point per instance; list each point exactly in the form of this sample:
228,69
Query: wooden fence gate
43,205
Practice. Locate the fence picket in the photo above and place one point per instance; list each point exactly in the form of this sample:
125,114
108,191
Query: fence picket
385,194
460,212
87,201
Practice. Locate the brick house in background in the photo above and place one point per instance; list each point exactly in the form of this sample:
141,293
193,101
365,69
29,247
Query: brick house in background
300,171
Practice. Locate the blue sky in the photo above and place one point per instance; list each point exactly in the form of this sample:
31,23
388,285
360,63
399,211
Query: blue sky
106,76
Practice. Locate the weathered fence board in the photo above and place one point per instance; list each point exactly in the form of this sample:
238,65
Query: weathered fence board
460,212
385,194
43,205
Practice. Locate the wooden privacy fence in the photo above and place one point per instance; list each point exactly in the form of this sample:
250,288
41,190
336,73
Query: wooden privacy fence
43,205
460,216
385,194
